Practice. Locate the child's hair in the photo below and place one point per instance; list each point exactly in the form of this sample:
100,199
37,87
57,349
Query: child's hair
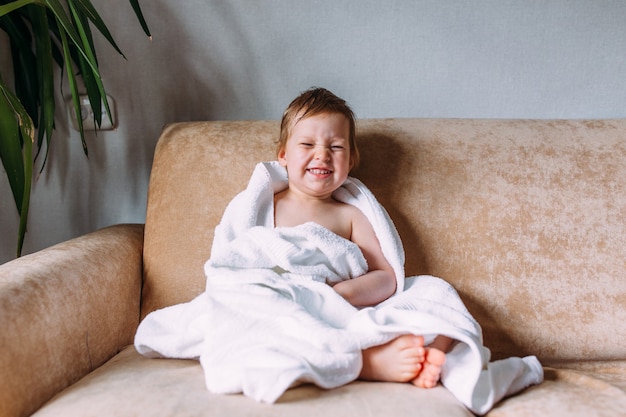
311,103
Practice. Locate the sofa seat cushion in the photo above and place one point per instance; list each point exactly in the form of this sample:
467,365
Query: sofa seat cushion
130,384
580,390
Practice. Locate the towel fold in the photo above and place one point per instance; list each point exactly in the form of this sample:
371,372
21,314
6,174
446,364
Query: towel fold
268,319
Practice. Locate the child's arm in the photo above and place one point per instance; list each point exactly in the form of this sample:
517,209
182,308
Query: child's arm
379,283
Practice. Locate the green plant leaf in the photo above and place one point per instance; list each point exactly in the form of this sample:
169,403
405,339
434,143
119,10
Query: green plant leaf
45,75
64,24
10,146
71,78
17,27
84,32
54,29
17,117
95,91
8,8
27,132
42,32
139,14
86,8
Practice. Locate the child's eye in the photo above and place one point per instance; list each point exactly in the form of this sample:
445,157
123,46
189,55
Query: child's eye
337,147
306,144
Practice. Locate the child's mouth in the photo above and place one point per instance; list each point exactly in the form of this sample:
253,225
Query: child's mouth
319,171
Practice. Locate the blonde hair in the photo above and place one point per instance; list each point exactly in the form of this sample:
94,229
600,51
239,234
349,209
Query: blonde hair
311,103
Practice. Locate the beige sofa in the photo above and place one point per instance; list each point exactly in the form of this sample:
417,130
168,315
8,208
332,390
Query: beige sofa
526,218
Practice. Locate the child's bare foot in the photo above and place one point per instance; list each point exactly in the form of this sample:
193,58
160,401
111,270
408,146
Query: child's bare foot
431,370
397,361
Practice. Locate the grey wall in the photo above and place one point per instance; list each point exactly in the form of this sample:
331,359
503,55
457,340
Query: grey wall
246,59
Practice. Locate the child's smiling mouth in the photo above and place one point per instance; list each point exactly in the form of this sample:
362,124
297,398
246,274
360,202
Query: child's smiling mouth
319,171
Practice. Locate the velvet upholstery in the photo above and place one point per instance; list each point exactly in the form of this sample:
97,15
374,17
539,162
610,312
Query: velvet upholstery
64,311
524,217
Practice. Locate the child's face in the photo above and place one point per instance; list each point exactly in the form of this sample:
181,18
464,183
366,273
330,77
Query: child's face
317,154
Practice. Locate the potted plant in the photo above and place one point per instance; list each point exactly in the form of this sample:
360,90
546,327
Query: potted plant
43,33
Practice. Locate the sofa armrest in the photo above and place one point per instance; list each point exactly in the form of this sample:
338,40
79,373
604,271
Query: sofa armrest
64,311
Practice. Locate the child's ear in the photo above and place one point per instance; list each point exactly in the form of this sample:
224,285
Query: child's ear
281,157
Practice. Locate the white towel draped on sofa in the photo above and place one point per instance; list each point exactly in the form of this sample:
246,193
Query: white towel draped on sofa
268,320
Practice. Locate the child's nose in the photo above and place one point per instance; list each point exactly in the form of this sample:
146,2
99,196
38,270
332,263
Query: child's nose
322,153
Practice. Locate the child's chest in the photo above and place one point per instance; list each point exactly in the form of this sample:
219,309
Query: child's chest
331,218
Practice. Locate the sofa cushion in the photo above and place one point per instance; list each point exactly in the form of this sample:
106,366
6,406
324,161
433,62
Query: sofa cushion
524,217
198,168
131,385
65,311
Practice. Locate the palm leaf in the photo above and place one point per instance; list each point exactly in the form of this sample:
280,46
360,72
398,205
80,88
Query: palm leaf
95,89
27,132
65,25
10,146
71,78
54,29
24,61
15,121
8,8
139,14
86,8
45,74
42,32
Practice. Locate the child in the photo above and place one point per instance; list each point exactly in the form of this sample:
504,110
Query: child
300,280
318,149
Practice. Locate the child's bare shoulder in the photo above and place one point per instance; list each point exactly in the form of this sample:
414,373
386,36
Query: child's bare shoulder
358,221
348,210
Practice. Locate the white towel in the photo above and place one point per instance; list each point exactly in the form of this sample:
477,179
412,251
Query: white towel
255,207
268,321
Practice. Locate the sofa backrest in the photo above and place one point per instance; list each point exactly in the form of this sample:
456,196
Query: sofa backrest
526,218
